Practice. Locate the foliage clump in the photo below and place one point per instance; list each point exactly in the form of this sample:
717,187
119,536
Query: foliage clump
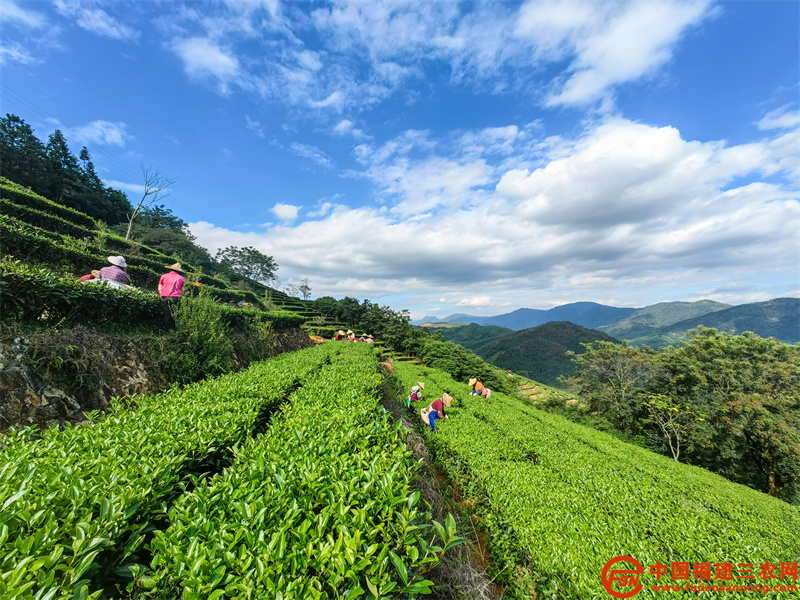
726,402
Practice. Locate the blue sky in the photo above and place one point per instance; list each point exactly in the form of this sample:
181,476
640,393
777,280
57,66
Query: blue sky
444,157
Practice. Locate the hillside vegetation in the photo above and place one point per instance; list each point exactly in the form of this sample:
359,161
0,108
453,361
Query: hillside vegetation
778,318
729,403
471,336
558,500
297,491
539,352
645,320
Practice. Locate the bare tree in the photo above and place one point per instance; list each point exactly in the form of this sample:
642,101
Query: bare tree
156,187
290,290
305,288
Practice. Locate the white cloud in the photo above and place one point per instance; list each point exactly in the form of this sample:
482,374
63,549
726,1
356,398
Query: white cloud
784,117
134,188
479,301
313,153
324,209
102,132
16,53
624,206
255,127
347,127
618,43
203,57
369,51
285,212
96,21
11,12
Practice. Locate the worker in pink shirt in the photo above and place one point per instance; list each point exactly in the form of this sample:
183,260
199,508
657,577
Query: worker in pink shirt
170,288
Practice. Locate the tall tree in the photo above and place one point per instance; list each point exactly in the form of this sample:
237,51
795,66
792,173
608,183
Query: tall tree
613,378
749,389
63,173
22,155
248,262
156,186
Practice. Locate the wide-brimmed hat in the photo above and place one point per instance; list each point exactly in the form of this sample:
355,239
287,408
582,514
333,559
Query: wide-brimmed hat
349,331
175,267
447,399
421,385
340,332
118,260
472,381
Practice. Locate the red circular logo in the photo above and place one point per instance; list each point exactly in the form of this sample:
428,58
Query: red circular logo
626,580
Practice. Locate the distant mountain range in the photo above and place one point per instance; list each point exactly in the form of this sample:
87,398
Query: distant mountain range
654,325
541,350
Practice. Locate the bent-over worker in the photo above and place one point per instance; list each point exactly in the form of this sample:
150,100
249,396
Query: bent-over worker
415,394
436,409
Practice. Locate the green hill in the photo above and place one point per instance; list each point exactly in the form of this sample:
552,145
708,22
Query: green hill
778,318
541,351
664,314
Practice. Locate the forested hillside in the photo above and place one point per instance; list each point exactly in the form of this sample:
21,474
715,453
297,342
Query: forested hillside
471,336
778,318
729,403
644,321
539,352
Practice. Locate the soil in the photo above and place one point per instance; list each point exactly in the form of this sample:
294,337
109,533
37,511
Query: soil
462,573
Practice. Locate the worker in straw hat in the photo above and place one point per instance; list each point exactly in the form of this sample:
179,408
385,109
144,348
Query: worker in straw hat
170,288
435,411
415,394
478,389
115,271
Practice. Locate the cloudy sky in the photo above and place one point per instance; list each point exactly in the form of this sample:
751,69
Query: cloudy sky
443,156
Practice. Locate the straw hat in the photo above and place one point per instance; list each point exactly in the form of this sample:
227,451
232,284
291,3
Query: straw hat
349,331
447,399
175,267
421,385
95,272
118,260
340,332
472,381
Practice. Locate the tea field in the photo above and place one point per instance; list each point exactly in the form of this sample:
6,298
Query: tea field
289,480
558,501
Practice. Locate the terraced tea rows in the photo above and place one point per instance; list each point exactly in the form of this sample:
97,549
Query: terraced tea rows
76,504
576,498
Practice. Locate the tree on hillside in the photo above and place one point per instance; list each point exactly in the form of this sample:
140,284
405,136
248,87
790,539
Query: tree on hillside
305,288
161,217
749,389
248,262
63,173
156,186
674,421
613,378
104,203
22,155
